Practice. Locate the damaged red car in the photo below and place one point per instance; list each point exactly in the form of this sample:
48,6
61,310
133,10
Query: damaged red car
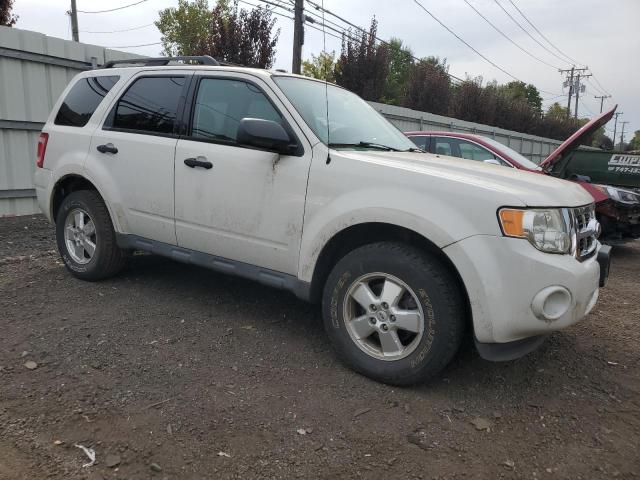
618,209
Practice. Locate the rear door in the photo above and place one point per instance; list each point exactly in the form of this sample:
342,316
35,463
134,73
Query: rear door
133,154
247,205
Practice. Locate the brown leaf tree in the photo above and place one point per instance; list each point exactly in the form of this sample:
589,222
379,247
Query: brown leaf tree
363,65
7,19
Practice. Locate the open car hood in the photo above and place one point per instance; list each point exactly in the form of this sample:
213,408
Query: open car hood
575,140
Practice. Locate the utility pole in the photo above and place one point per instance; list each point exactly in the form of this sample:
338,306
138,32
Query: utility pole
579,88
615,126
569,82
601,97
298,36
622,134
74,21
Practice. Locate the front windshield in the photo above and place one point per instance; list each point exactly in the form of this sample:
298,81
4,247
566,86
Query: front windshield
353,123
518,157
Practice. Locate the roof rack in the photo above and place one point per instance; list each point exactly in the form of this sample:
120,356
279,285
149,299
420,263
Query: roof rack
162,61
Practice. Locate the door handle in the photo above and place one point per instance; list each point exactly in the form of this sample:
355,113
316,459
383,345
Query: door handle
108,148
194,162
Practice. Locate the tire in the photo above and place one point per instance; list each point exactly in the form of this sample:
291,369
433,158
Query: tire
431,301
107,259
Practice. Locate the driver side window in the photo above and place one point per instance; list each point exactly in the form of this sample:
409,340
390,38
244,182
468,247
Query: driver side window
221,104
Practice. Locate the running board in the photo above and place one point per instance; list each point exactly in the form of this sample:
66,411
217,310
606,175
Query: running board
265,276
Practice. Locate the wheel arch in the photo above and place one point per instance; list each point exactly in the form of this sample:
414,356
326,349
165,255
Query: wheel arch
361,234
68,184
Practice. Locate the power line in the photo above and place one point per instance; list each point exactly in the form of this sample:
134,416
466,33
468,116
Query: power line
604,89
541,34
123,30
463,41
508,38
272,11
599,90
136,46
527,32
586,108
113,9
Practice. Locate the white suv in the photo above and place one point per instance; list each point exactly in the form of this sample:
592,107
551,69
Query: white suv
246,172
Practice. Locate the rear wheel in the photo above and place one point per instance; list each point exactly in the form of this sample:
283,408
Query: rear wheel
86,238
393,312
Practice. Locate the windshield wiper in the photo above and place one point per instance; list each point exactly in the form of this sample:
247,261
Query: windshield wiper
378,146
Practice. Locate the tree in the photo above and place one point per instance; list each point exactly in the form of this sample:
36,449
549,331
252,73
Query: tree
363,66
522,92
7,19
428,86
322,67
605,143
634,143
185,30
227,32
557,111
400,63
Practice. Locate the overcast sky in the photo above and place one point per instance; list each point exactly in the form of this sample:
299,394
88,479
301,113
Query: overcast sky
602,35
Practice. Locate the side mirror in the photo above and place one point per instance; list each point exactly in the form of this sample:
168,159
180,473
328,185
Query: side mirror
492,161
266,134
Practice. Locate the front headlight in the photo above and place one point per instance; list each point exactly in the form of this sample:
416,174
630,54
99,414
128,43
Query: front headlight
621,195
547,229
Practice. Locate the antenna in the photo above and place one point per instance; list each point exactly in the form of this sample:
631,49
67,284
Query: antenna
326,86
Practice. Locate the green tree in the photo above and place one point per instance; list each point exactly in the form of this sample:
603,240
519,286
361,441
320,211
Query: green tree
227,32
322,67
520,91
185,29
634,143
557,111
7,19
400,63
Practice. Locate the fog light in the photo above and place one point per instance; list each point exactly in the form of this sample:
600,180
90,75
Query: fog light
551,303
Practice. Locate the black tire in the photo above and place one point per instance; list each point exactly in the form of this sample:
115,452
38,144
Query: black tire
438,292
108,259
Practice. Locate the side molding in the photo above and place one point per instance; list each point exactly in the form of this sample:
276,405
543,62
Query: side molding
265,276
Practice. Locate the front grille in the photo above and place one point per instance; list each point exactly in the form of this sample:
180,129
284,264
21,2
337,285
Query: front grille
586,230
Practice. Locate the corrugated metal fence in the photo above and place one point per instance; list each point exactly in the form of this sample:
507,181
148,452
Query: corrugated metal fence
34,69
532,147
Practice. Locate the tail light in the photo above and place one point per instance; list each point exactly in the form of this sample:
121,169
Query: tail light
42,148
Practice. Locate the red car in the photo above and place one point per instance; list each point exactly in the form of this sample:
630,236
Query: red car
488,150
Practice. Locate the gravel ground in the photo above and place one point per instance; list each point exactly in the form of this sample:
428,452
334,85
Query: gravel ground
171,371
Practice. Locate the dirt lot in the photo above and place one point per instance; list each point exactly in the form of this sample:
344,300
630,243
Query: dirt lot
171,371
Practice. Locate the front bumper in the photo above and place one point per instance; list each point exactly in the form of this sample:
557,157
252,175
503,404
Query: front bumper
516,292
620,221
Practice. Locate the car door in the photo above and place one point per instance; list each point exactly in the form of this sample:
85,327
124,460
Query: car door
242,204
133,155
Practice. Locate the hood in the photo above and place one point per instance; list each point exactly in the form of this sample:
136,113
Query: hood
487,181
575,140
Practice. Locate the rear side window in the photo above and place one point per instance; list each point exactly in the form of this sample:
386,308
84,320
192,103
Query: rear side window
83,99
150,105
421,141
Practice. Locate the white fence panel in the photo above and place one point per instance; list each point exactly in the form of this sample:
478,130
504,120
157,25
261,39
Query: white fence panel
34,69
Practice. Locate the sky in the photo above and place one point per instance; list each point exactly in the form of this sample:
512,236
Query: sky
602,35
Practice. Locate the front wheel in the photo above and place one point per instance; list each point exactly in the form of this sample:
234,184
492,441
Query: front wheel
86,238
393,312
